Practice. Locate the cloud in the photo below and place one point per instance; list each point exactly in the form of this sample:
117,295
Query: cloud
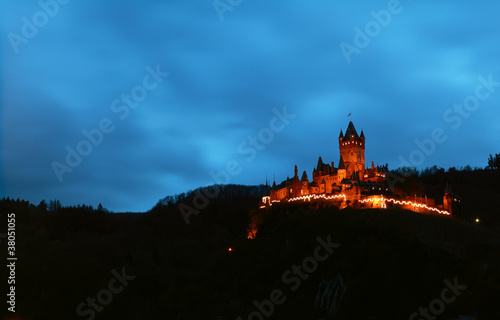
225,79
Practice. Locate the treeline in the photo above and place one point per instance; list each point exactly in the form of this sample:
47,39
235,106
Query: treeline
54,221
434,170
412,180
493,164
23,206
216,192
434,175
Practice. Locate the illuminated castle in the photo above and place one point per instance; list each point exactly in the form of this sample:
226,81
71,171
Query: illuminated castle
350,177
350,183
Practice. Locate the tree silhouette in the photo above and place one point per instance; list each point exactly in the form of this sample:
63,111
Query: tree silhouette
54,205
42,206
494,162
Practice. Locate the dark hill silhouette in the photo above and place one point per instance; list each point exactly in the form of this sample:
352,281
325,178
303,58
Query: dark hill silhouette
392,261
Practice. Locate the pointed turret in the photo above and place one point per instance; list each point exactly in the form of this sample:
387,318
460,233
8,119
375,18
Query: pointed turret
351,132
362,134
341,134
341,163
295,185
319,167
304,177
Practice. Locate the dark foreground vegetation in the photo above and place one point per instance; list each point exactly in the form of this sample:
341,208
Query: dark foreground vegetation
392,262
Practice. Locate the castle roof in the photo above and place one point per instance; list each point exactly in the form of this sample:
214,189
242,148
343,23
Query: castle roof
362,134
341,134
341,163
285,183
319,167
351,131
304,176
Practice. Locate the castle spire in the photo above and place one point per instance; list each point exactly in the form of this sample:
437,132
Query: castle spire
351,132
304,176
296,171
341,134
319,167
341,163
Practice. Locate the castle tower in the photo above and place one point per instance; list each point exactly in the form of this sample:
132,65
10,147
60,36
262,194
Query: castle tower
296,185
352,150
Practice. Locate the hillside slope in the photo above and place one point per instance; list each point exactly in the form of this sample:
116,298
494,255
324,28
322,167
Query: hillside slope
392,262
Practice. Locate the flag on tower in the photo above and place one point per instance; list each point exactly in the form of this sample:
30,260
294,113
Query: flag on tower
349,115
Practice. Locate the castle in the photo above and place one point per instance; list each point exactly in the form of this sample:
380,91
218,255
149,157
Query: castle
351,183
350,177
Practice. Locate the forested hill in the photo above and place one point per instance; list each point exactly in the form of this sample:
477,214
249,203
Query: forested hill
217,192
392,261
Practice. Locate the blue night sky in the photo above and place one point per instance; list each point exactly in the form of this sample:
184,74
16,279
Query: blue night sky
172,92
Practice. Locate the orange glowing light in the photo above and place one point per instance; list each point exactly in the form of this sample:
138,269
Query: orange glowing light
230,249
382,201
315,197
408,203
